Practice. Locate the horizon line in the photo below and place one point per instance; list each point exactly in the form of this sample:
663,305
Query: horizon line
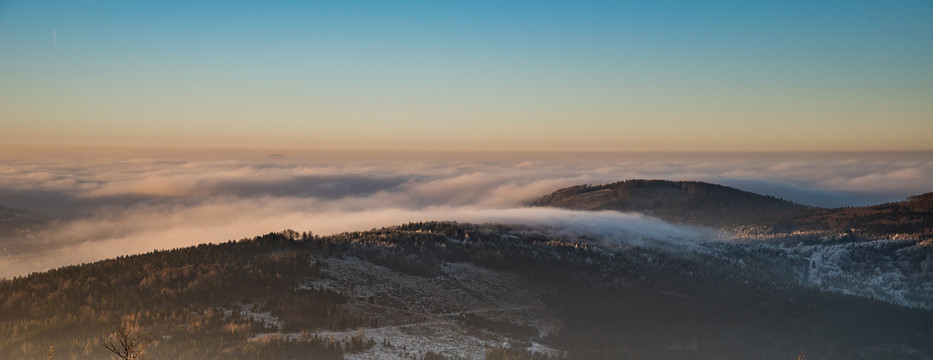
274,150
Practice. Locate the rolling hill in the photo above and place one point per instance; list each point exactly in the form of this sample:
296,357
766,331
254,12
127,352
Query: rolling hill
911,218
717,206
444,290
690,202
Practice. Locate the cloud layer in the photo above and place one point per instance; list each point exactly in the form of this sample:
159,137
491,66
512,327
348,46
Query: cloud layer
101,208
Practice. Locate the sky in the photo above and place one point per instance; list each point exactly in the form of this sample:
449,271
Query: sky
128,126
607,76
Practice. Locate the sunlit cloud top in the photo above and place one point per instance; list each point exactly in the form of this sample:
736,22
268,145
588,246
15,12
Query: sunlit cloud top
81,210
477,75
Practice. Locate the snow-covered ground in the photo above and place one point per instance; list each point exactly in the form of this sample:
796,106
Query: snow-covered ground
896,271
416,314
247,311
899,271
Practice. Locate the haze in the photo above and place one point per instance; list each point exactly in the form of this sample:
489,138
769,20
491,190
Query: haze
100,206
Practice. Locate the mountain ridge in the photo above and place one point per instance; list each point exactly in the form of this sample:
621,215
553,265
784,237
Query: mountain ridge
445,288
719,206
448,290
693,202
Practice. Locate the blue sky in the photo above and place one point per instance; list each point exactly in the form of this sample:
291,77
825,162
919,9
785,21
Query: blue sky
500,75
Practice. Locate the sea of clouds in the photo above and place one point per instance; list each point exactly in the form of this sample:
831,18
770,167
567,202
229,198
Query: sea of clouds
105,206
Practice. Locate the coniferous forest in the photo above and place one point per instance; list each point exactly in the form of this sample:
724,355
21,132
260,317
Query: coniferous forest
248,299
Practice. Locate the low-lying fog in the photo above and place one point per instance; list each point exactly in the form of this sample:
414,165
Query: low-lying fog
98,207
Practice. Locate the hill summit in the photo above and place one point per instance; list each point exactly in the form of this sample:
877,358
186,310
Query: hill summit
691,202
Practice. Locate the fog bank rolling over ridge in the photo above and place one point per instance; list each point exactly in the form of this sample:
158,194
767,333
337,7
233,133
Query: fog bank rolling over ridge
103,207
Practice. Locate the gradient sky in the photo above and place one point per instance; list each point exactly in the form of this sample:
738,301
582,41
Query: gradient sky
475,75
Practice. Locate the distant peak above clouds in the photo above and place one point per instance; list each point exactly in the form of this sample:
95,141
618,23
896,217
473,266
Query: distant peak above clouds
692,202
706,204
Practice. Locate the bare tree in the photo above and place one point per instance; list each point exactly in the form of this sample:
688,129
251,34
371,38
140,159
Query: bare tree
128,342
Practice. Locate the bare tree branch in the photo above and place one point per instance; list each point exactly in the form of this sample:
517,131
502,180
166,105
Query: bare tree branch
128,342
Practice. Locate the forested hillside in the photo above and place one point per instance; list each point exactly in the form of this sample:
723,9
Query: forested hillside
449,290
912,217
183,297
691,202
721,207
